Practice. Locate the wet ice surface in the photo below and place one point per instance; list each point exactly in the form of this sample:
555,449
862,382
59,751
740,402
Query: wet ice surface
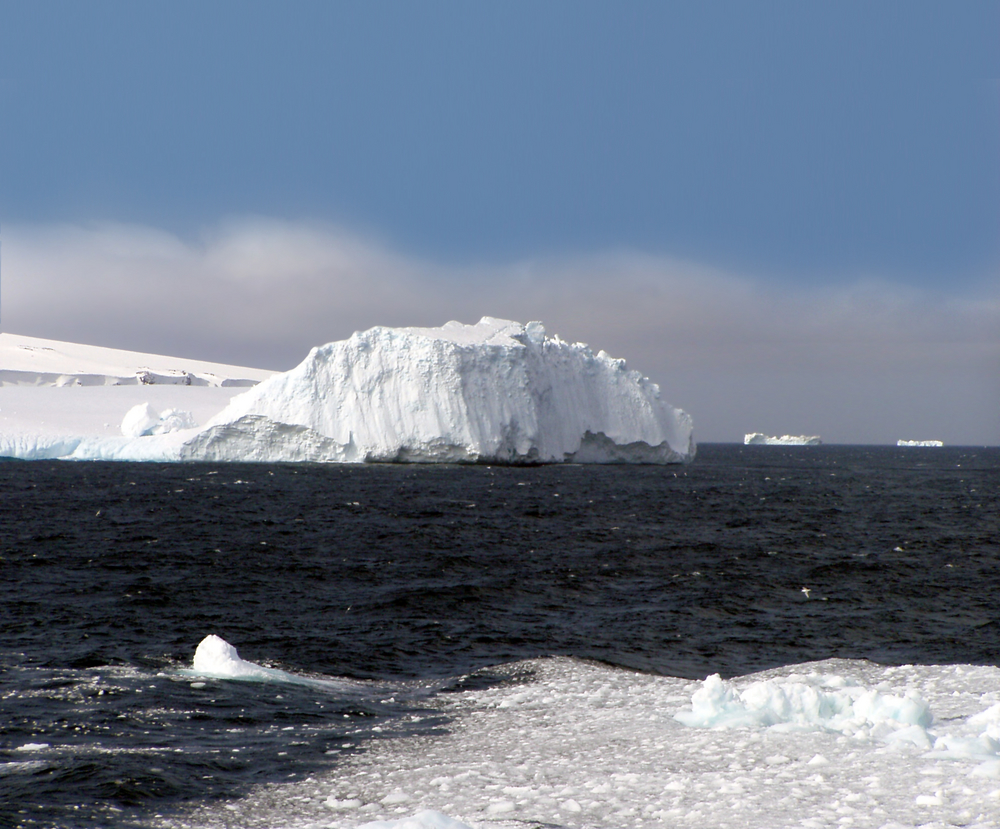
563,742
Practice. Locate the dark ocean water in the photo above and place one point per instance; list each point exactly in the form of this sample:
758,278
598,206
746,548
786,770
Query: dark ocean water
407,581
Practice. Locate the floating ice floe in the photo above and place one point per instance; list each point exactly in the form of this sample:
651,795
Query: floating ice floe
215,657
919,443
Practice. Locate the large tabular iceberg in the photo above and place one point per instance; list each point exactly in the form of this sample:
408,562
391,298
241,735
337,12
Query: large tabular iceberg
497,391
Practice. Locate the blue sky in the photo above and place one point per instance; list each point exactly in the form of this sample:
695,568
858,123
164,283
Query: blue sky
803,153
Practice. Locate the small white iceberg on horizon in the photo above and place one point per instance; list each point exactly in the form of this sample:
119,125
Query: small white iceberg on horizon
919,443
760,439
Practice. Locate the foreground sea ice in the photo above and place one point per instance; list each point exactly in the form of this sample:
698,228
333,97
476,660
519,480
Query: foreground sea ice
497,391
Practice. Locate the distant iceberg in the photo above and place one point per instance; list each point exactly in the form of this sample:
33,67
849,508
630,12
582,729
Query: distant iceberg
919,443
494,392
760,439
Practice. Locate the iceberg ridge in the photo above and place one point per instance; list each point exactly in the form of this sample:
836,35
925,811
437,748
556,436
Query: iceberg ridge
494,392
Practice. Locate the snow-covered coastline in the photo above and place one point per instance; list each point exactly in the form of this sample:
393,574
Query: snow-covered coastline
497,391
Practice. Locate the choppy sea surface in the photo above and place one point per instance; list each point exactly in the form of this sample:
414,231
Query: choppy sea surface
392,591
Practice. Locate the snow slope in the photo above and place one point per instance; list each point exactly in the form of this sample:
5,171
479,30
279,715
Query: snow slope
497,391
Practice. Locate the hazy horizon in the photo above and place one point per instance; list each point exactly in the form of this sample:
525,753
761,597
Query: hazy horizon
784,215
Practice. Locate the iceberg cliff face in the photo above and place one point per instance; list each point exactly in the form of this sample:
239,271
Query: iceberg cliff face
497,391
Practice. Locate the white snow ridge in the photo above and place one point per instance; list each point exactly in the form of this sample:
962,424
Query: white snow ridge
494,392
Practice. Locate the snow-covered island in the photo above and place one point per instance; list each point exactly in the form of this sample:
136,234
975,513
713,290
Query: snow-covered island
497,391
919,443
760,439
